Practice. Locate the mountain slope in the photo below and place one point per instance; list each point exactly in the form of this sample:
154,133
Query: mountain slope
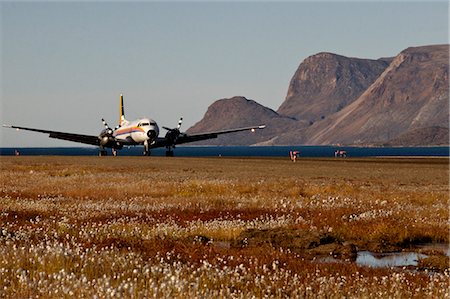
241,112
411,93
334,99
325,83
422,136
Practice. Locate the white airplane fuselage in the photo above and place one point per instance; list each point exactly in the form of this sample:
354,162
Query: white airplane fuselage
137,132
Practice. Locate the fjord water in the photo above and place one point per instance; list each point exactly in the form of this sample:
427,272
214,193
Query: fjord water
242,151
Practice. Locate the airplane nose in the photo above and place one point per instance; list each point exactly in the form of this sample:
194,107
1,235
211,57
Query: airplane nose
151,134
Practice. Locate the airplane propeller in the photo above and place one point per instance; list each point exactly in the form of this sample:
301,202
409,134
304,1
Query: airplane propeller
177,128
106,135
174,133
107,127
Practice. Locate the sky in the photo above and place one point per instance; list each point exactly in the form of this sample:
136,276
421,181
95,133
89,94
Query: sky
64,64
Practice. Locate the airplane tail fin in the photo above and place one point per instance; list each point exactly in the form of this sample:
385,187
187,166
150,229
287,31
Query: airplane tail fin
122,119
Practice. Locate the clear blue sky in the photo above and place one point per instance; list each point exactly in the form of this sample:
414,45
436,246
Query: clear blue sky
65,64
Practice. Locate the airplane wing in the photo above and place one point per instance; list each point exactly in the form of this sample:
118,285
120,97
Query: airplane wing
185,138
87,139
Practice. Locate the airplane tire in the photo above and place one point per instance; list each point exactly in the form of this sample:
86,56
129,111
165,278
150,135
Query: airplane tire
102,153
169,153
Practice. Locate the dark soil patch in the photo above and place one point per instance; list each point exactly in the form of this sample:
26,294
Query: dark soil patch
304,243
435,263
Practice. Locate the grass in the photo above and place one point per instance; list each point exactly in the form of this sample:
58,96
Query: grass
159,227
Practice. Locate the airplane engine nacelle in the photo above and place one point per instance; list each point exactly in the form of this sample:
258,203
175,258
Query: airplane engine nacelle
172,135
106,138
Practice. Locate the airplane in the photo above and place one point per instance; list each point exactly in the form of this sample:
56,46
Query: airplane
143,131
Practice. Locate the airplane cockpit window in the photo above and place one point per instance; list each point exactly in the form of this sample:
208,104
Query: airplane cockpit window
144,124
153,123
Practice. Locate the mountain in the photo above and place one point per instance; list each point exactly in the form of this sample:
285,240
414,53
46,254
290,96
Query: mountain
241,112
412,93
423,136
325,83
334,99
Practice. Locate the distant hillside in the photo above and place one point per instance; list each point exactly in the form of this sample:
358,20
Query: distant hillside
334,99
325,83
241,112
423,136
412,93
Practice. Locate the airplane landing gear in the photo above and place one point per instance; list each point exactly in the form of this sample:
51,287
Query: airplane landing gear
169,151
146,149
102,153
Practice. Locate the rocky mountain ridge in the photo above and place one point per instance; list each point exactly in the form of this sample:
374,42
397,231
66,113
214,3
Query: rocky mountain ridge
325,83
240,112
334,99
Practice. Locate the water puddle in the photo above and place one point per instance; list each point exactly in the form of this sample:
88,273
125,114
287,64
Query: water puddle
378,260
393,259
